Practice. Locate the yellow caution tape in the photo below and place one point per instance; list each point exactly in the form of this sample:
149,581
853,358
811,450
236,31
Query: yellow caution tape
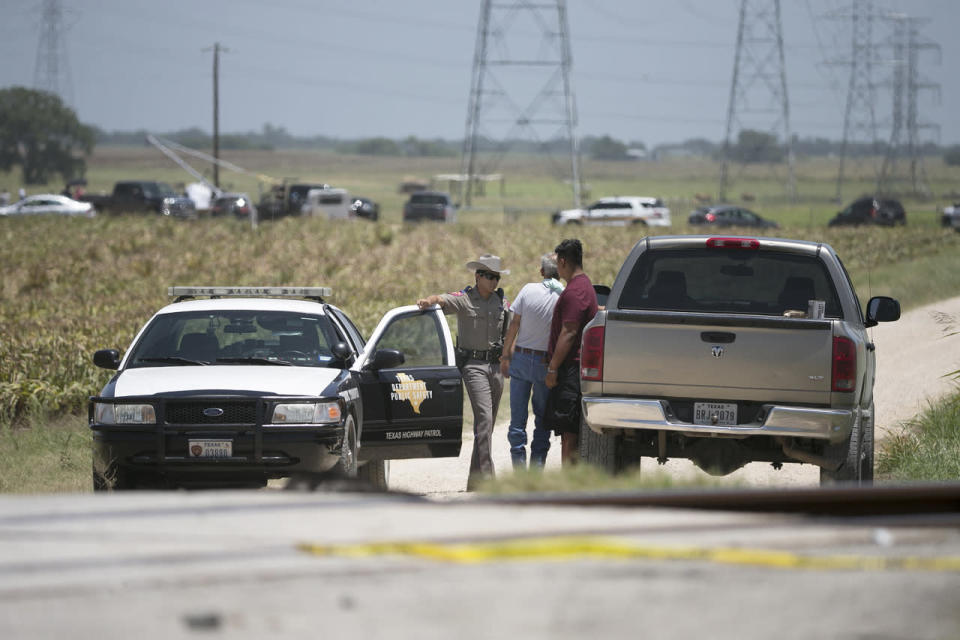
570,548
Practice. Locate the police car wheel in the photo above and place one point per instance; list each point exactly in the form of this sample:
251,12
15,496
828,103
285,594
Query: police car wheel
375,473
346,466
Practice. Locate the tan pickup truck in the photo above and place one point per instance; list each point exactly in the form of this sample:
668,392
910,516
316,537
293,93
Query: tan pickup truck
729,350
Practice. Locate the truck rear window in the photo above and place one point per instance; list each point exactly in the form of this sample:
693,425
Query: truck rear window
728,281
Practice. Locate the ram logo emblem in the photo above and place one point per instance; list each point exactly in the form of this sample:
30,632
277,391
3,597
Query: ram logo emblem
717,351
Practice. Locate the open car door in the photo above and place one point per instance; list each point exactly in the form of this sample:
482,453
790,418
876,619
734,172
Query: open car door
412,403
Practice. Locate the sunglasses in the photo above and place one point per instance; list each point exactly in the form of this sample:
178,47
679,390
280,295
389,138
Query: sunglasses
489,275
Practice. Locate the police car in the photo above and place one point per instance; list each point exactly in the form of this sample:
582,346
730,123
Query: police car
233,386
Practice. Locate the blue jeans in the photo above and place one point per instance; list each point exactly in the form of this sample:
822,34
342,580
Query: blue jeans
527,373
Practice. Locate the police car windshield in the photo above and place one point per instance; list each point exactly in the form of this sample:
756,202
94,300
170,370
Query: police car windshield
236,338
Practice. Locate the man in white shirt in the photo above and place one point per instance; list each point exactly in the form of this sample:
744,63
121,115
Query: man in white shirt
524,363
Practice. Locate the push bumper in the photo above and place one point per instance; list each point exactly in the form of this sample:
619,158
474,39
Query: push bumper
776,421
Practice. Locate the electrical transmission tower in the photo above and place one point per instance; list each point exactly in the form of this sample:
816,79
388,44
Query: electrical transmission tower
52,71
859,120
520,89
759,86
907,84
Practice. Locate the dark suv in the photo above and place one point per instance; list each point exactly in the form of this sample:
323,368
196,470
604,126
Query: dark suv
871,210
429,205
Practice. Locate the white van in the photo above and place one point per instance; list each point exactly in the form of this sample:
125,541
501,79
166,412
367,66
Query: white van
332,203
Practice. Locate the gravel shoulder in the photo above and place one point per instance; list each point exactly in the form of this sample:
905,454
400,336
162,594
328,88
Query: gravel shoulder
913,354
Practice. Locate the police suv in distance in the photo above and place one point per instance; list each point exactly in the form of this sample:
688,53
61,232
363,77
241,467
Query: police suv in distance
233,386
618,211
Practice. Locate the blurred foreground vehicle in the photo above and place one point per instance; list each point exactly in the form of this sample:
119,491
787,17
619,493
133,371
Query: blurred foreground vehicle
729,350
48,203
238,205
234,386
727,215
869,210
618,211
429,205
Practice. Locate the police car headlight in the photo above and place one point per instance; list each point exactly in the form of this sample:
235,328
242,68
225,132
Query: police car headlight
306,413
109,413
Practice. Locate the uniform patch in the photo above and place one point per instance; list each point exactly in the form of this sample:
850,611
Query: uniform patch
409,389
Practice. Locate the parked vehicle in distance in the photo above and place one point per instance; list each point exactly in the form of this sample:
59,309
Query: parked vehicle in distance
286,199
729,215
951,216
330,203
238,205
143,196
729,350
618,211
234,386
871,210
48,203
429,205
365,208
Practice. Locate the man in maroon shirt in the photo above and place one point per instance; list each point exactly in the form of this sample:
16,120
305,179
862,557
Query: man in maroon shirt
576,306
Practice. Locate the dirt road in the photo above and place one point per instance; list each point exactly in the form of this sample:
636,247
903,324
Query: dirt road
913,354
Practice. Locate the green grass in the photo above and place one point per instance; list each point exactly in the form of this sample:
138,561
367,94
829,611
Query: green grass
927,448
46,455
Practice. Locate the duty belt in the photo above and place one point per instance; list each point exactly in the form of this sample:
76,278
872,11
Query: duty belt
488,355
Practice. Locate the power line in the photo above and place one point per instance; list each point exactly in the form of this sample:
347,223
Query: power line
759,85
493,87
52,69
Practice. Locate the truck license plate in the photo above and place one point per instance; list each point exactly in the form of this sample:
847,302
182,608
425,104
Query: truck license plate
714,413
210,448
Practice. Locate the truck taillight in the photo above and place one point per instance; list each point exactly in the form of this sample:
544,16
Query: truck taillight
591,355
844,376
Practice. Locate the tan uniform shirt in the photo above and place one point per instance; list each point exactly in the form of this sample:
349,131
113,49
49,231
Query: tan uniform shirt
479,321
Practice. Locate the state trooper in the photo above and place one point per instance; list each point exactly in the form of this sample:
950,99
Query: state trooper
482,317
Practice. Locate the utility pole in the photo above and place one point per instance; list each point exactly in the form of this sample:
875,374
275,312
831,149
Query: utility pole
216,110
759,85
859,120
52,70
907,84
502,82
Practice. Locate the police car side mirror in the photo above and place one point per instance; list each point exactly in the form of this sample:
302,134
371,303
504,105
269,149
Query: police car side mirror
342,353
385,359
107,359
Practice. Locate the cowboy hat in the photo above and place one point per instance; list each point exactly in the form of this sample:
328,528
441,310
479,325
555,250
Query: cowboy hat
488,262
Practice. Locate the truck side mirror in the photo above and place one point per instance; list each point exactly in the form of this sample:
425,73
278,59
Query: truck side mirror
107,359
882,309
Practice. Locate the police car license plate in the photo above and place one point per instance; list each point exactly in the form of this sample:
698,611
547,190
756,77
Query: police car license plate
210,448
714,413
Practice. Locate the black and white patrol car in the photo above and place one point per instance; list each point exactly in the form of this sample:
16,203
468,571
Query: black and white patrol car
233,386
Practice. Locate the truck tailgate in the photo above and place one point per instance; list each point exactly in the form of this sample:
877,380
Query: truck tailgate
704,356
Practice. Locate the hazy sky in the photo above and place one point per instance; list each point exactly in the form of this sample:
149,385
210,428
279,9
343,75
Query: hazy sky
648,70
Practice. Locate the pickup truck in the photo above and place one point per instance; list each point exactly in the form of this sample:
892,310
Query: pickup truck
729,350
134,196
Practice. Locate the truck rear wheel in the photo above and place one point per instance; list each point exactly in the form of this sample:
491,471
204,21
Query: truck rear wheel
602,450
857,465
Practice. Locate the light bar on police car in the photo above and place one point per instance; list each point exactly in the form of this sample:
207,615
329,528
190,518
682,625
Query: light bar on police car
279,292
